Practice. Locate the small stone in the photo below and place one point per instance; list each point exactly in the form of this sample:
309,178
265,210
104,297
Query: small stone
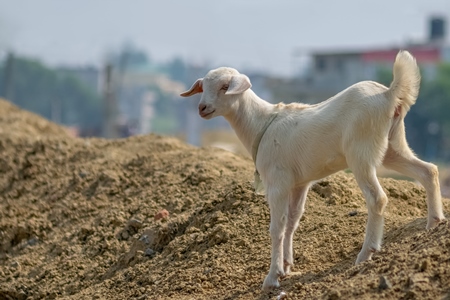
83,174
144,238
334,295
32,241
149,252
125,235
135,224
353,213
162,214
384,283
15,264
21,295
424,265
410,295
282,295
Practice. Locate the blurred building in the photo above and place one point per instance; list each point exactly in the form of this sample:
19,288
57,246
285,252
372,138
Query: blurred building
331,71
135,95
142,90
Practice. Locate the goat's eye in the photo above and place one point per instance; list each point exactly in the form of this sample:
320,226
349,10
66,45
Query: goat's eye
225,87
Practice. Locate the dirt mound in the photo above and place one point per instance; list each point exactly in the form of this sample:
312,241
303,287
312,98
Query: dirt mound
77,222
17,122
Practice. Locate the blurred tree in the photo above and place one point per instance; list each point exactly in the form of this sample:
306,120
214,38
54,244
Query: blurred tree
177,69
129,57
54,95
165,119
428,122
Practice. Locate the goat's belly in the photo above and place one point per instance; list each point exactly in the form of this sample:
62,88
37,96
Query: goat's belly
326,167
335,163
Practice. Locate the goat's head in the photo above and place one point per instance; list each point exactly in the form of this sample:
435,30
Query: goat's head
221,88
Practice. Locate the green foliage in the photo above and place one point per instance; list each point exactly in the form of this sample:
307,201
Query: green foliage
384,76
164,121
164,124
177,69
40,89
129,57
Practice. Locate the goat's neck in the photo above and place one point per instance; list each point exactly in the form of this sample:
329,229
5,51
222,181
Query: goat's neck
248,117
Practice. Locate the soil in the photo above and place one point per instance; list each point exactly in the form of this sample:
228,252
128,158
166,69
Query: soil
77,221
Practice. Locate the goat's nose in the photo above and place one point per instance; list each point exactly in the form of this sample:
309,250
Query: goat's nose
201,107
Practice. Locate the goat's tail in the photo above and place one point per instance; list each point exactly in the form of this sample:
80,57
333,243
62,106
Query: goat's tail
404,88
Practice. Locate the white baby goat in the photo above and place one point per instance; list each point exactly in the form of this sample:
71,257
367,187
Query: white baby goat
360,128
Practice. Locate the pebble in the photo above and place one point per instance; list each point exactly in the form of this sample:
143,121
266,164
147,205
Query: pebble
144,238
83,174
424,265
135,224
384,283
162,214
149,252
125,235
21,295
353,213
32,241
334,295
15,264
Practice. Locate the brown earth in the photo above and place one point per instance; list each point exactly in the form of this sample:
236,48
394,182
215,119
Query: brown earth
18,122
77,222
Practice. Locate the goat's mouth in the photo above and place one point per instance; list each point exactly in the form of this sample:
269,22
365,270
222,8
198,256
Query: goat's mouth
205,115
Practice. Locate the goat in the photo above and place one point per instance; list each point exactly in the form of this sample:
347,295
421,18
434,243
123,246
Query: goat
293,145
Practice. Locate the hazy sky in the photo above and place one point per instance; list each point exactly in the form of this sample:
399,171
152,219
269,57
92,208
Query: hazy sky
260,35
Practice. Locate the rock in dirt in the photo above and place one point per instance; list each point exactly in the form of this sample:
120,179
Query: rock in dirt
384,283
149,252
162,214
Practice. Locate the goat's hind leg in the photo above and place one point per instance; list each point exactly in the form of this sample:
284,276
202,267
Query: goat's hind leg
297,201
376,201
426,173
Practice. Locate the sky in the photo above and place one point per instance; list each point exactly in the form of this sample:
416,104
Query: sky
262,35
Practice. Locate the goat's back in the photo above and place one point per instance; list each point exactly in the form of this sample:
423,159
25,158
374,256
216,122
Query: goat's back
314,140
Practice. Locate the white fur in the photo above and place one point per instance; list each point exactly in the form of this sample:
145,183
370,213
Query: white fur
360,128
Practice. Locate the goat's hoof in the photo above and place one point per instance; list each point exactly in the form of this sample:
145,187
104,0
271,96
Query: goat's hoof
365,255
433,222
361,258
270,283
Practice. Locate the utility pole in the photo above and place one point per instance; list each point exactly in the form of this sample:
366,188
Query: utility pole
193,125
56,109
8,87
109,104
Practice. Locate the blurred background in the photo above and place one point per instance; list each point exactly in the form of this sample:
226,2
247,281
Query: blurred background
115,68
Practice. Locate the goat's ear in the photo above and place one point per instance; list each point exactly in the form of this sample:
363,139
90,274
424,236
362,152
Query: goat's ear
195,89
238,84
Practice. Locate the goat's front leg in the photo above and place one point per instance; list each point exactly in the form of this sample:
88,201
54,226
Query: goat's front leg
297,201
278,204
376,201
